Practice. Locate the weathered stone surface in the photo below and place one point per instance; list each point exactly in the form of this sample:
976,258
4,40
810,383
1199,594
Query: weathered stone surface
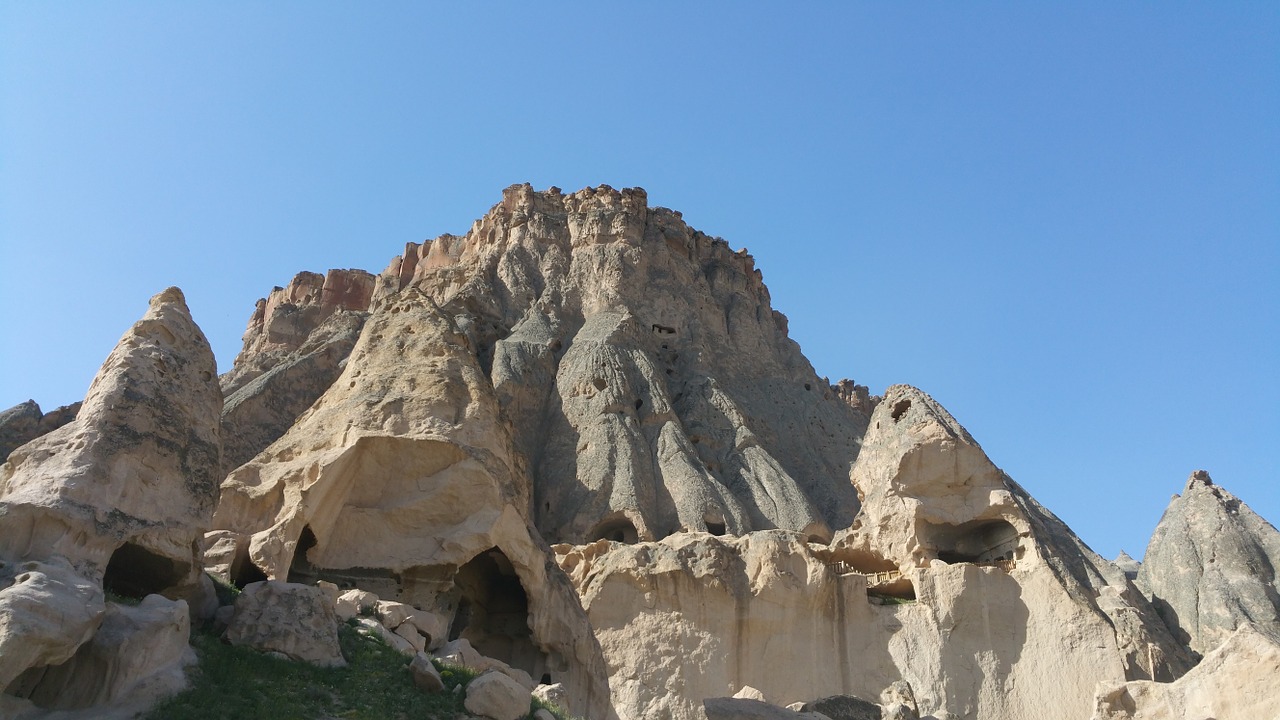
262,409
732,708
898,702
498,697
288,618
697,616
136,658
650,386
47,612
126,489
1236,681
425,675
1211,566
284,321
1127,565
552,694
845,707
25,422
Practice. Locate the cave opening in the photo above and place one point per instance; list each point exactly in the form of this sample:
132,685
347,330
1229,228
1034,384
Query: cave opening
616,528
300,569
243,570
979,541
493,613
135,572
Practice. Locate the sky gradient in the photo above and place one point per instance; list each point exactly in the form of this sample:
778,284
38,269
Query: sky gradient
1062,222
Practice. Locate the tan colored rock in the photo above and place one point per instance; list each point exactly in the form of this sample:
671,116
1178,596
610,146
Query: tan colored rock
552,694
47,612
498,697
137,657
288,618
725,708
750,693
425,675
411,635
126,489
917,590
1236,681
405,466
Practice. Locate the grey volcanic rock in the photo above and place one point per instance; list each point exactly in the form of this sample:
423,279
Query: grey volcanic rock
649,384
261,410
1127,565
126,490
25,422
1211,566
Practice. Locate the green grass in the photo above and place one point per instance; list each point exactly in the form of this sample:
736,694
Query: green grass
237,682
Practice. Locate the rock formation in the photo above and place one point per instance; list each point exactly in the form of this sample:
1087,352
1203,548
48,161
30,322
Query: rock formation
1236,681
1212,565
117,500
952,579
402,479
575,449
25,422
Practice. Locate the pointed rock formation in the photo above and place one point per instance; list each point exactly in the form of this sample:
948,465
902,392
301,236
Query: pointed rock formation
1211,566
119,498
126,489
650,386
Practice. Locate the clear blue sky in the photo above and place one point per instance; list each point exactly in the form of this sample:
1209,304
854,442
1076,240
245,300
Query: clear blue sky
1061,220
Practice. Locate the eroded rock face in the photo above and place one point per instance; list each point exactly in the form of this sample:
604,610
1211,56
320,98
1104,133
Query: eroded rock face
952,579
288,618
136,657
25,422
1236,681
402,480
649,384
1211,566
283,322
126,490
47,611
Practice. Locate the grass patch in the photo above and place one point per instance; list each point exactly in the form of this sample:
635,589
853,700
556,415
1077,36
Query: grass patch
238,682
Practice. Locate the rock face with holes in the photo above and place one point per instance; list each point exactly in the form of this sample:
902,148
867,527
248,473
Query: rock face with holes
402,480
118,497
125,491
1211,565
295,620
1236,681
952,579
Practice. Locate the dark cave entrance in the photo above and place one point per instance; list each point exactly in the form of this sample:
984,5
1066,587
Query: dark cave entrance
135,572
617,528
300,569
243,571
979,541
493,613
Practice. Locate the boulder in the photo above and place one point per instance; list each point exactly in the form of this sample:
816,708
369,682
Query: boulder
748,709
25,422
425,675
47,612
288,618
846,707
1211,566
898,702
750,693
552,694
137,657
494,695
1236,681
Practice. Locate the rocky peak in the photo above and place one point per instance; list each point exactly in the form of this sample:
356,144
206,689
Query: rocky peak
1211,565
